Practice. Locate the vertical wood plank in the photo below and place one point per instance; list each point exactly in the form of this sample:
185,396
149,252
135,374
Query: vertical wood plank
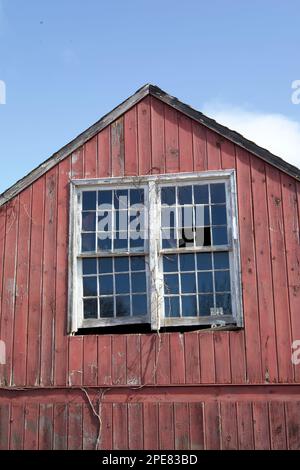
31,436
106,441
119,359
150,423
207,357
117,147
16,427
192,359
261,426
104,360
264,273
49,279
35,283
2,249
9,288
229,439
249,281
212,425
22,284
237,357
75,426
279,274
103,154
245,426
166,426
144,136
157,136
135,426
131,142
60,426
75,360
199,147
196,426
222,356
61,343
120,427
213,150
77,164
177,358
227,155
171,140
133,352
90,364
46,427
90,158
292,410
181,426
185,143
277,425
148,361
163,375
5,426
291,230
89,428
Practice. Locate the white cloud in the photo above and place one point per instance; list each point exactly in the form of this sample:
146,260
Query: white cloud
275,132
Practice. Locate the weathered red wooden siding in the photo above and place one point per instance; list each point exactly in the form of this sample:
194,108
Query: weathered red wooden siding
150,138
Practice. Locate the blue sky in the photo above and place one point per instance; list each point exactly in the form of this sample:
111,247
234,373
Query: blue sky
66,63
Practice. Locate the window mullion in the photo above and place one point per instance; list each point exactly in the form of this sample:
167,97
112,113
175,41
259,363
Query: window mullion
154,272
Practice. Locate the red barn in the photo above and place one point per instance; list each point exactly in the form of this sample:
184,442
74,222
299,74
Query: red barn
178,338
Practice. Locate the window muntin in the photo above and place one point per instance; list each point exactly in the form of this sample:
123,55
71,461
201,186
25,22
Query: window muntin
203,286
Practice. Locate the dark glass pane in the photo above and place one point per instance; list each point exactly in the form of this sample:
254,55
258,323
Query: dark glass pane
123,306
168,196
137,245
217,193
90,286
106,284
189,305
170,263
138,282
205,282
218,214
121,241
222,281
121,264
121,198
136,196
137,263
221,260
122,284
88,242
89,266
89,221
187,262
107,307
204,261
171,284
105,197
104,244
206,302
201,194
188,283
90,308
185,195
89,200
168,238
219,236
172,308
105,265
224,301
139,305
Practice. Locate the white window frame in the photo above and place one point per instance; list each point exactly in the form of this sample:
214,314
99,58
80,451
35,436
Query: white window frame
152,185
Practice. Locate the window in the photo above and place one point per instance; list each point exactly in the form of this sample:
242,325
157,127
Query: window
161,250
